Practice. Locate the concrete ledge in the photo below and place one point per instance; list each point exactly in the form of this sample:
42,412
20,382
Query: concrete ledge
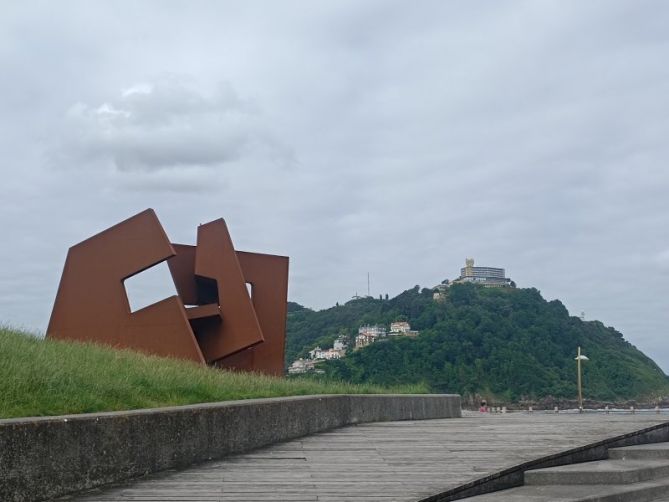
46,457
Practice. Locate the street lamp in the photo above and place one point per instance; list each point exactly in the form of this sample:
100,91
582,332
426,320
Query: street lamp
580,357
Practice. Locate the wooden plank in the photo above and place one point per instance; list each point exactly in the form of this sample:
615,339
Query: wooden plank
400,461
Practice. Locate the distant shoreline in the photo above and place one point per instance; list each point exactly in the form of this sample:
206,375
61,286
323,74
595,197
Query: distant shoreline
572,405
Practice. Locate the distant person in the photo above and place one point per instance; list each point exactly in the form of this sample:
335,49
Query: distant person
484,407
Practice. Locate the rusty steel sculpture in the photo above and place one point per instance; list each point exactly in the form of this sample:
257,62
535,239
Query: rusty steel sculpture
213,320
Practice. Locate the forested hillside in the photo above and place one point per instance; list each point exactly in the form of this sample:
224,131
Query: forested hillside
509,343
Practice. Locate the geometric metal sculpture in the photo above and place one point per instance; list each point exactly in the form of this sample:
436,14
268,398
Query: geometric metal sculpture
213,320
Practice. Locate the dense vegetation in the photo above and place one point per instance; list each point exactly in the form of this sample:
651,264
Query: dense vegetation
43,377
506,343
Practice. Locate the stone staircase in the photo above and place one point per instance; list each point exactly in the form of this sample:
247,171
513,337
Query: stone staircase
634,473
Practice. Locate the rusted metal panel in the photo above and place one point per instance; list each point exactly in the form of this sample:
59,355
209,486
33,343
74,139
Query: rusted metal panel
91,303
268,275
216,260
182,268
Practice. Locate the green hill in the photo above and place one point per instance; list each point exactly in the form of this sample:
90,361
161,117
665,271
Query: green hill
507,343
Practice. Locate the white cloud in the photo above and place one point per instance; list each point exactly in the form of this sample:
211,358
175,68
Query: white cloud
167,124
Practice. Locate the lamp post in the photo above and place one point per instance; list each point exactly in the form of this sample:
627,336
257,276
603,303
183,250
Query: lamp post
580,357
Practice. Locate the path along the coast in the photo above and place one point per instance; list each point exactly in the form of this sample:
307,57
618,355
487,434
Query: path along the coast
387,461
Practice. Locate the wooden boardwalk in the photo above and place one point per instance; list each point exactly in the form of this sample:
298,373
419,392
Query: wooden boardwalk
391,461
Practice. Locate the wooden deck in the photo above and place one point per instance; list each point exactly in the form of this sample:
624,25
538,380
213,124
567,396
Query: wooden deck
391,461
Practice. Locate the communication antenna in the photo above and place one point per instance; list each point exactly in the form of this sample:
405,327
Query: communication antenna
368,284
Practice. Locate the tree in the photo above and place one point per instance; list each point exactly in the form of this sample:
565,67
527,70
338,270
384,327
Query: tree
509,342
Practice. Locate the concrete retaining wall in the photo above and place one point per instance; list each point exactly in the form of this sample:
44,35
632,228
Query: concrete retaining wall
41,458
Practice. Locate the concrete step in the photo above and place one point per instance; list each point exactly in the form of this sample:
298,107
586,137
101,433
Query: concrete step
634,473
602,472
636,492
642,451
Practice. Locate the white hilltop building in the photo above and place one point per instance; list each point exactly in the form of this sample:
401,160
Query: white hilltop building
367,335
401,328
333,354
440,289
340,344
319,354
488,277
301,366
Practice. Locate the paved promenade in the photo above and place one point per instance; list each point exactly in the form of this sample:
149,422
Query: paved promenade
391,461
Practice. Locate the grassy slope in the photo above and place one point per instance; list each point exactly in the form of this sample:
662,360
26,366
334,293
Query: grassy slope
43,377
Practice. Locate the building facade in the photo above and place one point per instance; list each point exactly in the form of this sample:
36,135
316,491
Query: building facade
368,335
326,354
400,327
490,277
340,344
301,366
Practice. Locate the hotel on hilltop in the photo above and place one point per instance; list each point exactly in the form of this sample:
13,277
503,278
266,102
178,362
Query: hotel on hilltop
488,277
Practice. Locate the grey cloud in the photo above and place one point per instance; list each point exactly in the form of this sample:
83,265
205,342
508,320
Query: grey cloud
662,259
166,124
194,180
529,135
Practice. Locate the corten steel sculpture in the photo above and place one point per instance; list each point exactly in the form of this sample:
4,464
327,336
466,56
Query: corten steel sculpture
213,320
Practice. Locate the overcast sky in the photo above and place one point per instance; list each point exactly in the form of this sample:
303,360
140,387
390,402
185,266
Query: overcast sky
395,138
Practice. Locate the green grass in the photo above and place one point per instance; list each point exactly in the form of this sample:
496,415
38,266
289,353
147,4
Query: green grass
43,377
